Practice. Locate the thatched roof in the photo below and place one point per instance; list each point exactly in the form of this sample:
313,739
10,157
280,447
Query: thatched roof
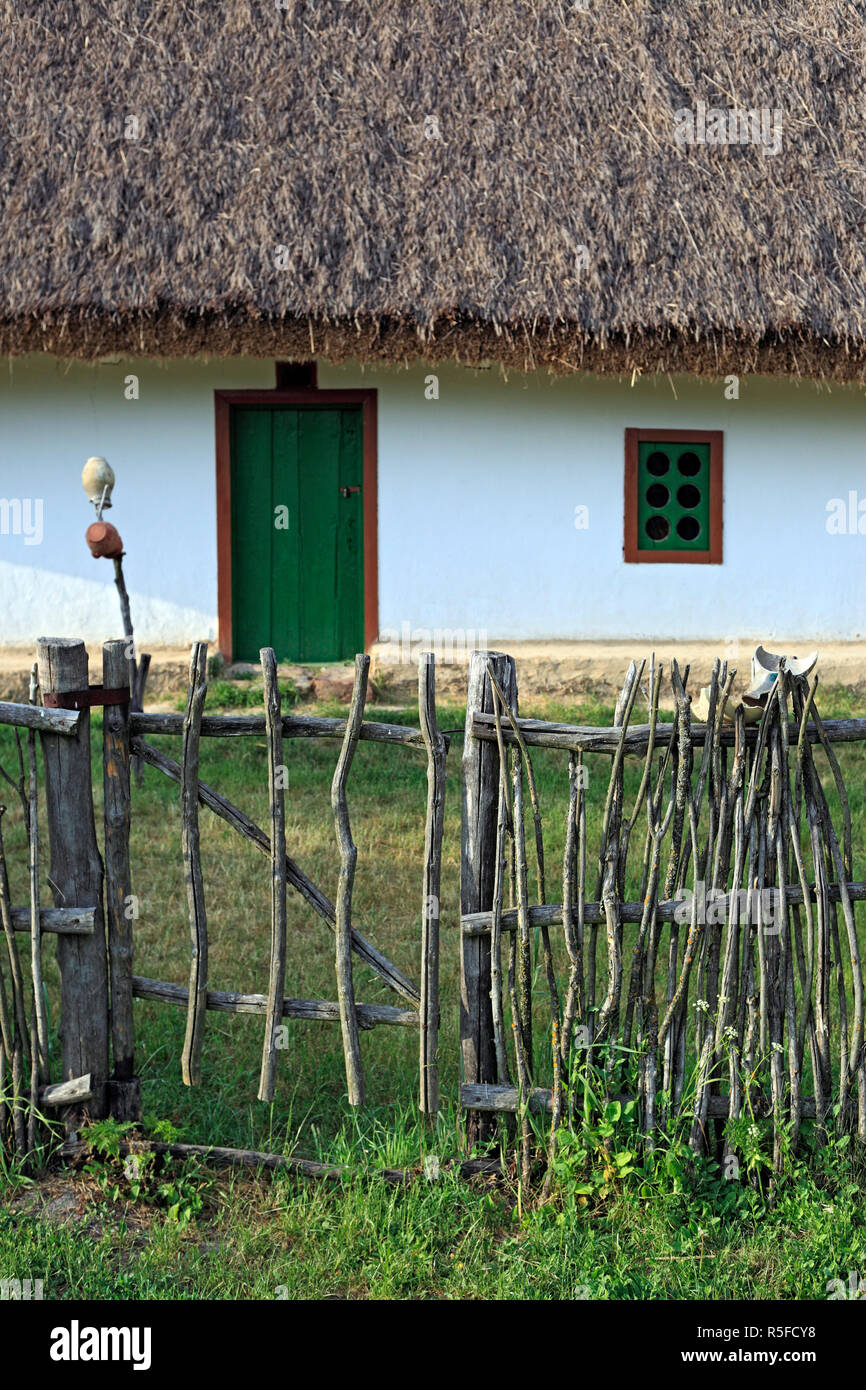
304,128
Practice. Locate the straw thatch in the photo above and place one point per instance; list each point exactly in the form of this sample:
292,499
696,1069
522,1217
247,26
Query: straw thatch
307,127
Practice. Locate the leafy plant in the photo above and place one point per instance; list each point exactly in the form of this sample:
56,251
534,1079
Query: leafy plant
594,1161
106,1136
180,1188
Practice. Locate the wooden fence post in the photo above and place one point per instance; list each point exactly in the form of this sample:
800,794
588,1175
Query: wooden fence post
189,793
76,874
480,810
124,1087
434,742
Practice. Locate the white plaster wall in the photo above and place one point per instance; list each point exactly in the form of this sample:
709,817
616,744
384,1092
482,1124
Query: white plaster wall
53,416
477,492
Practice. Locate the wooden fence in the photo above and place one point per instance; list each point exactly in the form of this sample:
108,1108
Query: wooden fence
705,963
728,984
96,944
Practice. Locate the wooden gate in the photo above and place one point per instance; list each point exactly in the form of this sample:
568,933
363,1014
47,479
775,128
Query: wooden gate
96,952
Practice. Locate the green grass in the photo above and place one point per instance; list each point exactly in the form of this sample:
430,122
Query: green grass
669,1231
696,1237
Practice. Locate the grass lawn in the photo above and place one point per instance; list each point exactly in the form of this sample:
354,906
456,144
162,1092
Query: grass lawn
671,1230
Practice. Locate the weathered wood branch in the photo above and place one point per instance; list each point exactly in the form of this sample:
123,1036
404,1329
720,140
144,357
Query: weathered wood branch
75,1150
118,881
309,1010
54,721
348,859
294,726
277,798
39,1028
478,860
74,1092
68,921
506,1100
430,902
76,873
551,915
191,1057
591,739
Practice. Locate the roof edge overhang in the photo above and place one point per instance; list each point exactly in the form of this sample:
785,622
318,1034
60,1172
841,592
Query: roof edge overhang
558,349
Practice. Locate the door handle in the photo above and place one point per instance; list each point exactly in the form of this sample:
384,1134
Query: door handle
347,491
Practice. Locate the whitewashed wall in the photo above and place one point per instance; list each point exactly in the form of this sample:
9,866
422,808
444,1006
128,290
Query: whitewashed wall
52,417
477,496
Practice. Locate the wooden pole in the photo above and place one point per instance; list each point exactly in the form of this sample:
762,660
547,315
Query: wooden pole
480,812
348,858
124,1090
430,905
76,874
20,1011
137,669
35,917
277,797
191,1059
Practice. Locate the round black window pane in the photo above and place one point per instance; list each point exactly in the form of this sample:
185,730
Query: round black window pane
657,495
658,528
658,464
688,528
689,464
688,495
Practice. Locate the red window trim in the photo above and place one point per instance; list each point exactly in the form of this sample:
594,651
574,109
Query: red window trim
632,552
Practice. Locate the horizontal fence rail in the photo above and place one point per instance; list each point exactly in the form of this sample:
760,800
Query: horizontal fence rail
313,1010
508,1100
588,738
71,921
676,909
293,726
54,721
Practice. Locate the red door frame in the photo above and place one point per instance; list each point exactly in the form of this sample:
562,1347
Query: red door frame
223,402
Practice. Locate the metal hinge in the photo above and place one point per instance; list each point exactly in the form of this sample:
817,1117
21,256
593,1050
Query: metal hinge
84,699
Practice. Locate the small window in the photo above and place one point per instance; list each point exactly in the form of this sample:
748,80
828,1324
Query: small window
673,496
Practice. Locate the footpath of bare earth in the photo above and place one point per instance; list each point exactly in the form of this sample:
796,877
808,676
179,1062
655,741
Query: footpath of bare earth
547,670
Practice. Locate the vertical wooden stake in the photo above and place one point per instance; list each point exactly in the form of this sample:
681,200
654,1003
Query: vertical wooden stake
124,1089
348,857
276,783
197,1005
430,904
480,809
40,1013
76,874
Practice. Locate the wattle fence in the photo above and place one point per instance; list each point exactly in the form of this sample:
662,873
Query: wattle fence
718,978
701,960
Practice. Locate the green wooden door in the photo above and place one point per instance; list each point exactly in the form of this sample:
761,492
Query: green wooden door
297,532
